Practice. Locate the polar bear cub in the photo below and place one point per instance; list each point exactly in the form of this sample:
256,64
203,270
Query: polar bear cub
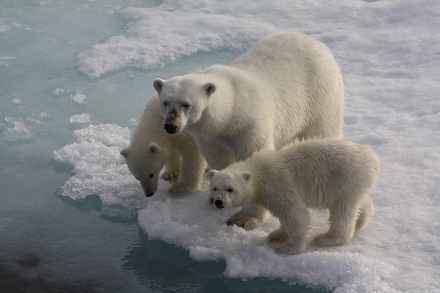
287,86
335,174
151,148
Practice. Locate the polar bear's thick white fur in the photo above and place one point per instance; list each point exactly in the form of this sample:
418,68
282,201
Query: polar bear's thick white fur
329,173
287,86
151,148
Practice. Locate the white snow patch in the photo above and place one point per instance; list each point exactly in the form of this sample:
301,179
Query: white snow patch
58,92
80,118
20,133
79,98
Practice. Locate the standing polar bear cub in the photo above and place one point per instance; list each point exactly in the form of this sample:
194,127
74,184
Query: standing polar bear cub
287,86
330,173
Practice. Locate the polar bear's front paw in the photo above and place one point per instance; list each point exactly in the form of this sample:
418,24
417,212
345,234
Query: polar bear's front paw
278,236
288,248
244,221
181,188
329,240
170,176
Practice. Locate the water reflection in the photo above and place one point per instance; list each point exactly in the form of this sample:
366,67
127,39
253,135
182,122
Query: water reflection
166,268
13,282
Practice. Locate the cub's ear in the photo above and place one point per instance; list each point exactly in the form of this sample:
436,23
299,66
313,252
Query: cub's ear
153,148
247,176
124,152
211,173
209,88
157,84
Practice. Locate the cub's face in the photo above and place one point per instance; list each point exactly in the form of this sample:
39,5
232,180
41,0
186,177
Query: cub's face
183,100
145,165
229,188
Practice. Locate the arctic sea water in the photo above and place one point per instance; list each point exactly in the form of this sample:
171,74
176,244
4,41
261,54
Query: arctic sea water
75,76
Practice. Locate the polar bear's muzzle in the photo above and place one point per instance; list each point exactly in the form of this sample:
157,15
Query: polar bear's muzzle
219,203
171,128
148,189
148,193
172,121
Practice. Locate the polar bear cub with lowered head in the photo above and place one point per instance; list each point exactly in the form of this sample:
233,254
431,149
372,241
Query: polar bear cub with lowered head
329,173
286,86
151,148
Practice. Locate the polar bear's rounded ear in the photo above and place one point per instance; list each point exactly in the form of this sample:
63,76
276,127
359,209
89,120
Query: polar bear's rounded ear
153,148
211,173
246,176
209,88
157,84
124,152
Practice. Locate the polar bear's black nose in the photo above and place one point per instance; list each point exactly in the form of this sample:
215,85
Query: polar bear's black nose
219,203
149,194
170,128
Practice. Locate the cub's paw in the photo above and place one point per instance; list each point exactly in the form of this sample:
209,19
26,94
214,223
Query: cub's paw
288,248
181,188
329,240
244,221
170,176
277,236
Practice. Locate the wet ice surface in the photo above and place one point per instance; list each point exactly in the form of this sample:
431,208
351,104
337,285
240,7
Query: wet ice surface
75,78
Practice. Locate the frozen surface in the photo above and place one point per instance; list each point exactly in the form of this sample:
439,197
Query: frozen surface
79,98
69,101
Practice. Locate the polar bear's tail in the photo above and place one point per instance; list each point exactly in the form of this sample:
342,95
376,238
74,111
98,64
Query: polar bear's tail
365,213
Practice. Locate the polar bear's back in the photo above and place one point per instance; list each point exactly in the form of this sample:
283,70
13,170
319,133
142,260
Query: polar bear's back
303,75
319,170
328,155
290,56
272,52
333,166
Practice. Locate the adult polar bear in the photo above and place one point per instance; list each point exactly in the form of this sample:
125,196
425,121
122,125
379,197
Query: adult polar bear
287,86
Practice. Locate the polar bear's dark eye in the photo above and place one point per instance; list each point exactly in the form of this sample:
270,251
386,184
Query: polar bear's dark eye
165,104
215,189
185,105
150,175
230,189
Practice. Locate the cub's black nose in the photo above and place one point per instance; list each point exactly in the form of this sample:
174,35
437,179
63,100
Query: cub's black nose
219,203
149,194
170,128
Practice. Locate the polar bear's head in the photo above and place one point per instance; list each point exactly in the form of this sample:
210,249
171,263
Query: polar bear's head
183,100
145,164
229,188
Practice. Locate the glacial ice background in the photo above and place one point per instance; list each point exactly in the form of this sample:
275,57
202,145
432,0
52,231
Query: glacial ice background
75,78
